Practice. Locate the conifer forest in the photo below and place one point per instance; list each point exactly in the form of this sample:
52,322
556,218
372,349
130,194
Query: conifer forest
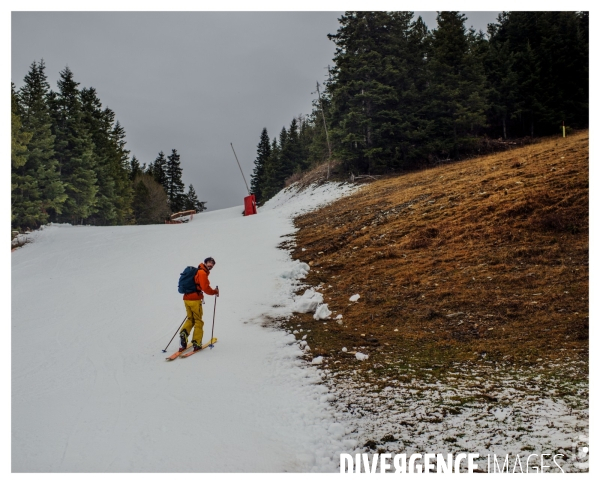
400,95
69,163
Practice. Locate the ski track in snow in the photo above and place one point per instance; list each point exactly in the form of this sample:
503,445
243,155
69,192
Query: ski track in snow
99,303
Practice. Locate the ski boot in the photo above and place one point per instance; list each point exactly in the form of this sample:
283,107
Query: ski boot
183,340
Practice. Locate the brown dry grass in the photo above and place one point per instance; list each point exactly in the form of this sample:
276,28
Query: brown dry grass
318,174
482,260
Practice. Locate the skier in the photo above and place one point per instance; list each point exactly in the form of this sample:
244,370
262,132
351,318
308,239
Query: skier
193,305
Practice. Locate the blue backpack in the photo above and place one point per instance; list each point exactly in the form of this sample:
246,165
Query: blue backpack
187,284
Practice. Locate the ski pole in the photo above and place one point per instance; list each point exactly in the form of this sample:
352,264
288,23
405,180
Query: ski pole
165,350
211,345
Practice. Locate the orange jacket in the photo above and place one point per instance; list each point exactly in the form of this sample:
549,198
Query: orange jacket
202,283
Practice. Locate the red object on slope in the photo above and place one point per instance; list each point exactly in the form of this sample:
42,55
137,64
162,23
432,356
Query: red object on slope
250,205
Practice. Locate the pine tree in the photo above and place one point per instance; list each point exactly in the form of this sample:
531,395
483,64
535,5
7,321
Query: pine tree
135,168
192,202
175,186
40,195
19,137
290,152
258,178
98,124
457,86
18,150
501,81
158,169
305,135
358,94
120,172
276,168
410,79
74,150
272,169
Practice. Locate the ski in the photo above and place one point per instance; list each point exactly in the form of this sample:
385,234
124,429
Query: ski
212,341
179,353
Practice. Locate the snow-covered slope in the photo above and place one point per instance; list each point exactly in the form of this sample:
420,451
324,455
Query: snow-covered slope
92,307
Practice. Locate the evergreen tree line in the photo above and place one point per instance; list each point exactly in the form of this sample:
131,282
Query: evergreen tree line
277,160
69,162
159,190
400,94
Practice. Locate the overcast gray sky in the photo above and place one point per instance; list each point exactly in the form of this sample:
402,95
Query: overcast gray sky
193,81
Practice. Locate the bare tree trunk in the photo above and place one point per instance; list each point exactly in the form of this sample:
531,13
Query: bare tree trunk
326,133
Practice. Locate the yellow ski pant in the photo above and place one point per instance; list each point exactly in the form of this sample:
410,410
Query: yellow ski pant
194,320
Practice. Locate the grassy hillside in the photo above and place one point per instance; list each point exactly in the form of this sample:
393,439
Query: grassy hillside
480,260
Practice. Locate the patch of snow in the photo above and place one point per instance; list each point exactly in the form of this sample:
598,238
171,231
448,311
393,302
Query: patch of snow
501,413
522,418
298,271
322,312
336,430
308,302
83,403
